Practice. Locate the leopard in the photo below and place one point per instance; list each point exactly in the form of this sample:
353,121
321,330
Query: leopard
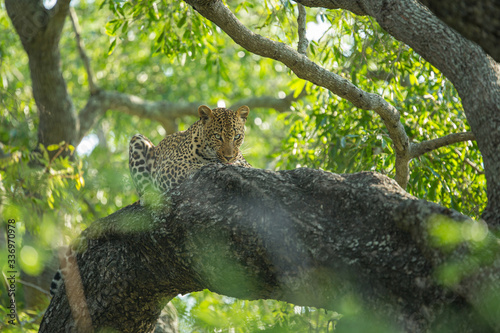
215,138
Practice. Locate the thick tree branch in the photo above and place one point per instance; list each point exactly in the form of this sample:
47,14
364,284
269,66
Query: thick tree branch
418,149
304,236
81,50
306,69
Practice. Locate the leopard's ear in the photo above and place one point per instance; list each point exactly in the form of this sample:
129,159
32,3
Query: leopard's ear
205,112
243,112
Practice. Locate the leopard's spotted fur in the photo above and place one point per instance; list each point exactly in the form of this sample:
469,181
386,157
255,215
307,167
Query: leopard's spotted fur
215,138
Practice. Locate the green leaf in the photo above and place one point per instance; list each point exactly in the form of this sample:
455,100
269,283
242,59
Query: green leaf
297,86
112,46
125,27
182,21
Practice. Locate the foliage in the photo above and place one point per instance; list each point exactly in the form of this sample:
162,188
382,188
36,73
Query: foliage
206,311
164,50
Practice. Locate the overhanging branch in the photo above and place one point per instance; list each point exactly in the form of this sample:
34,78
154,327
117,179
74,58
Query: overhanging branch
474,74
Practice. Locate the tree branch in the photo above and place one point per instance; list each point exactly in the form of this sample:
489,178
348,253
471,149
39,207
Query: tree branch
288,236
418,149
279,104
301,22
34,286
473,165
81,50
162,111
354,6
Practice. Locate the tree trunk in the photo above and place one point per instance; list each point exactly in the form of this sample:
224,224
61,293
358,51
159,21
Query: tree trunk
40,30
304,236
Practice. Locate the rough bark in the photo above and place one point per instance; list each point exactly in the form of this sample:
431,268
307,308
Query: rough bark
477,20
304,236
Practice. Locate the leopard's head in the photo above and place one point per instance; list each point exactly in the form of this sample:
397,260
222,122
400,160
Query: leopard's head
224,131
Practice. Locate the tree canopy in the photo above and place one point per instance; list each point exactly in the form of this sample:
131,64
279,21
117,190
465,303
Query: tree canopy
345,88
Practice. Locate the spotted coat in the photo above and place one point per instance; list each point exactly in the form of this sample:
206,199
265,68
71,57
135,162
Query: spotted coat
215,138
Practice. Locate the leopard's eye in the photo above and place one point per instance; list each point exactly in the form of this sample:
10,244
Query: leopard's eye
237,136
217,136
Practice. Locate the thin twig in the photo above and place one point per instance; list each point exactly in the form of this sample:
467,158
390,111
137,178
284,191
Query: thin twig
34,286
56,155
301,21
418,149
79,43
469,162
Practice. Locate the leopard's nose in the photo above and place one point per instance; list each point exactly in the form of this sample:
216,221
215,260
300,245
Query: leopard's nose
229,158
